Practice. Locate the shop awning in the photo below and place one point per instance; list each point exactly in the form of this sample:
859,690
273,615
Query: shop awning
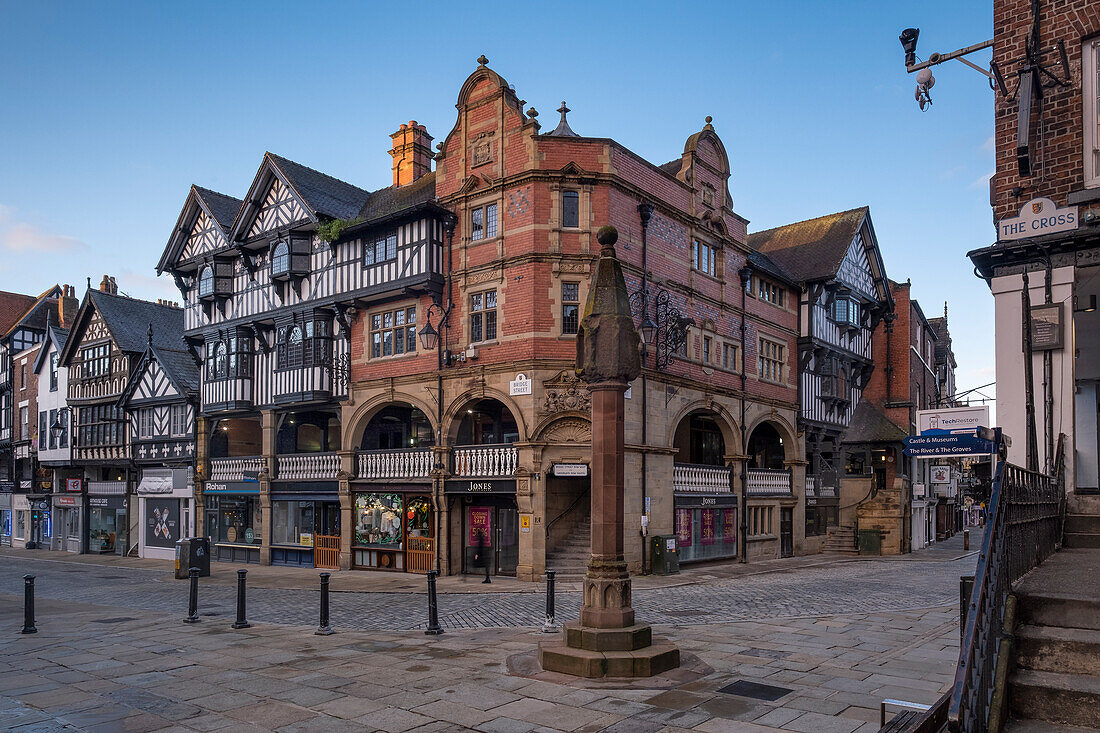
107,488
162,480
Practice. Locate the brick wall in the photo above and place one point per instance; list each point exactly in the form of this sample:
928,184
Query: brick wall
1057,123
494,155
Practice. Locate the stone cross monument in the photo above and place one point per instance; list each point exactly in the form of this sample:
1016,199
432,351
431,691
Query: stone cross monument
606,641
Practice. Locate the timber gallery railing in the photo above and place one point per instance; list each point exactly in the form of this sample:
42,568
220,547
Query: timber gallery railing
1025,526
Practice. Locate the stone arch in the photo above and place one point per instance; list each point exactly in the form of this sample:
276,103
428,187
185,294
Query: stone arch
369,408
452,419
727,424
788,433
570,426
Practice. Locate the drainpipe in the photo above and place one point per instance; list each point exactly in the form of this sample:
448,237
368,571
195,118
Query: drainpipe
645,211
745,273
1048,377
444,332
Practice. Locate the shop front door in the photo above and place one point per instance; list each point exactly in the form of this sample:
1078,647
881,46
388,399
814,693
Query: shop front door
786,531
506,541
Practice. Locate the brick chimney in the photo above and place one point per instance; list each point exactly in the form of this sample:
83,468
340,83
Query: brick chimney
67,306
412,153
108,285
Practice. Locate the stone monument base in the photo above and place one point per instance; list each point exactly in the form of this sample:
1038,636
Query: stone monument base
585,651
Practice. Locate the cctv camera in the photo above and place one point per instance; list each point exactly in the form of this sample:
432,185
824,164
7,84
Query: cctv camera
908,40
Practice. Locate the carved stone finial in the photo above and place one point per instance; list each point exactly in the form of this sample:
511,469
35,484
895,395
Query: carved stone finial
607,341
149,334
532,113
482,60
563,129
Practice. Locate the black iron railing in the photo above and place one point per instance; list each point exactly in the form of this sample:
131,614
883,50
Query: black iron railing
1025,526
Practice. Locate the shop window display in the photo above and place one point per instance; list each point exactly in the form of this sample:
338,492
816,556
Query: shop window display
378,520
704,534
234,520
293,523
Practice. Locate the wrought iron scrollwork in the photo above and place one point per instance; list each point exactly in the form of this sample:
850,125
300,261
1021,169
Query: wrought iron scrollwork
339,369
668,326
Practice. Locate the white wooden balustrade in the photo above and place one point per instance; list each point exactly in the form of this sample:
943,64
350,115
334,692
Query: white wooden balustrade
768,482
485,461
309,466
703,479
811,486
412,463
233,469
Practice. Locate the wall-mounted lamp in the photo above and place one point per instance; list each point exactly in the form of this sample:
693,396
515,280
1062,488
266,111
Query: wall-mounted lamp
1088,308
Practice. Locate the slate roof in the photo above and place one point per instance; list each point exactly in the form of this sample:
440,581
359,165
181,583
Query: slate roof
224,208
760,261
322,193
388,201
59,336
812,249
870,425
180,366
672,167
37,314
129,319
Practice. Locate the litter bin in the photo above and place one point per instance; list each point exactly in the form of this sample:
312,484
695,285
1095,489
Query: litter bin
664,557
870,542
193,552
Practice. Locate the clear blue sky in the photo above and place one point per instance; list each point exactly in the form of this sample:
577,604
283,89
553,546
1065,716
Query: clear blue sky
110,110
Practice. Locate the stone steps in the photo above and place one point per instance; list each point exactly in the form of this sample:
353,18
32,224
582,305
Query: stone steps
841,540
569,560
1057,649
1041,726
1082,531
1066,699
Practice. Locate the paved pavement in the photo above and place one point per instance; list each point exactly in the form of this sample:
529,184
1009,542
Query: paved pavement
797,588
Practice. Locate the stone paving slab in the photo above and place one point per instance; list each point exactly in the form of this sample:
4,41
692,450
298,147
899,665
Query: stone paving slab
405,681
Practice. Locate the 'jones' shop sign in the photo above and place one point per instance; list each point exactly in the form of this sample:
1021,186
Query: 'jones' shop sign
1038,216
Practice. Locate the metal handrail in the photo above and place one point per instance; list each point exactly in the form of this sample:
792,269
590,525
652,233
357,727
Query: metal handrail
1027,509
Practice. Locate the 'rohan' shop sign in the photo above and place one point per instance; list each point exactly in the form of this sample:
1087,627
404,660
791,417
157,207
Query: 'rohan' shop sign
480,486
231,487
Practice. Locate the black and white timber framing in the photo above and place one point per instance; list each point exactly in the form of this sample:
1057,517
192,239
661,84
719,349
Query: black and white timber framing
845,292
256,278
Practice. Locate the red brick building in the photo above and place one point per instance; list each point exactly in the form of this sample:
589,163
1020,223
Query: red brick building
512,425
1045,196
882,488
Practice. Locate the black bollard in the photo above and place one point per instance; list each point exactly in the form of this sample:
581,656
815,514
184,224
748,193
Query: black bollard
28,605
241,622
324,629
193,598
434,629
551,626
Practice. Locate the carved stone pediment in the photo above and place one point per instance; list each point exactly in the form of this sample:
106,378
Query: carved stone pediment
569,430
565,392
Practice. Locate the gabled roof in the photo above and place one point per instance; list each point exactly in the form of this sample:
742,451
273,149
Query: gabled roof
37,313
57,336
178,365
870,425
321,194
762,263
386,202
223,208
219,207
812,249
13,306
129,321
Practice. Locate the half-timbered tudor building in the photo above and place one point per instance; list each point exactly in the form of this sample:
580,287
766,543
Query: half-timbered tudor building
387,376
107,340
160,400
271,292
836,261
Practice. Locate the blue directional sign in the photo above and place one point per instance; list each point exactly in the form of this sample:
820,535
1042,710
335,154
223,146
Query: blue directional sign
941,446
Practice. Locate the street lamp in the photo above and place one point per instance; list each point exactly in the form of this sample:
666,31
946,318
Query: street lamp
58,427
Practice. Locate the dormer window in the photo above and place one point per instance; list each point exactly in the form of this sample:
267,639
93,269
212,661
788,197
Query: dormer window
280,259
206,282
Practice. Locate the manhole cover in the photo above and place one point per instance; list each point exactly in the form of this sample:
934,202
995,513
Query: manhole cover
755,690
119,620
